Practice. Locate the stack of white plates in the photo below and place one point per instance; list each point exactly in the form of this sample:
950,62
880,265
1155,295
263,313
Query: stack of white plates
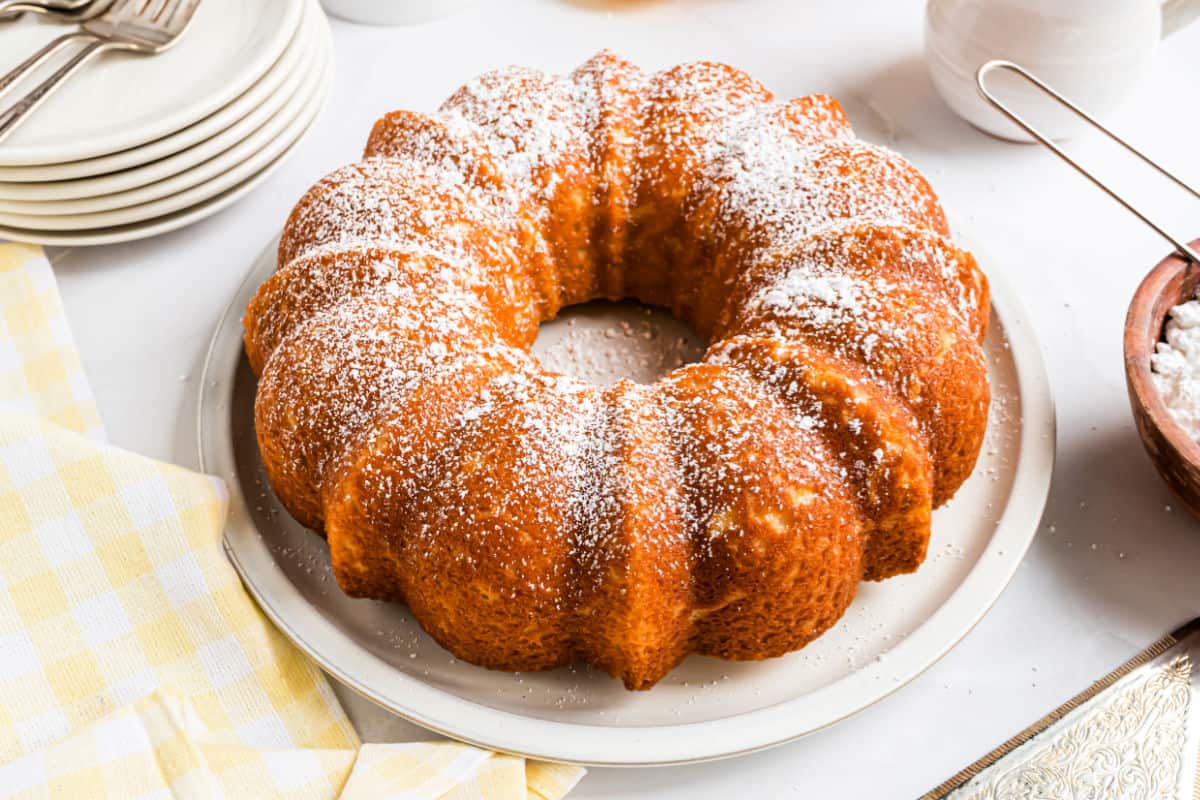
132,146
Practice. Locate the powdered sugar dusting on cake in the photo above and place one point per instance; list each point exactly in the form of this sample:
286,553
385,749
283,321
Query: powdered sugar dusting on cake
354,364
407,276
611,94
542,426
832,397
701,399
782,188
530,122
837,266
330,274
448,147
687,105
397,203
825,301
827,289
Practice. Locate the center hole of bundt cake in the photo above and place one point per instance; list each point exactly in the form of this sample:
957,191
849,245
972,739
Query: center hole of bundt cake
602,342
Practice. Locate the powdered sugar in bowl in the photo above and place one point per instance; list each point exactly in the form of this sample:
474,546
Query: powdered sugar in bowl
1162,372
1175,366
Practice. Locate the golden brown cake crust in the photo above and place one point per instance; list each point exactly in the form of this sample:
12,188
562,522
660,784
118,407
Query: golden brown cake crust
529,519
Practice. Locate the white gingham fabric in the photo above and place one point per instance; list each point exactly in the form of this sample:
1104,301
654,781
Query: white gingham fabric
40,372
132,662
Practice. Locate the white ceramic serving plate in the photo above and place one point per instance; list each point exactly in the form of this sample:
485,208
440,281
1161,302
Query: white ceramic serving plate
704,709
138,205
122,100
118,172
171,221
192,185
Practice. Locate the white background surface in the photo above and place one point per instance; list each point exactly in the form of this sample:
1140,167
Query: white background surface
1112,568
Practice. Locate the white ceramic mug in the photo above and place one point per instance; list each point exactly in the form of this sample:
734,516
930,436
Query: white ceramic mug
1092,51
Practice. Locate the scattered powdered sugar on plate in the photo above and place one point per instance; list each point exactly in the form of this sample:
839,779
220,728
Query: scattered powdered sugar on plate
604,342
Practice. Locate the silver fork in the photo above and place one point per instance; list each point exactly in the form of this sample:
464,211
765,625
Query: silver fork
137,26
88,12
50,6
58,10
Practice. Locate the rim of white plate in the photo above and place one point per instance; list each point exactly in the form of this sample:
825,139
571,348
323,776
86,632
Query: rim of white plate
176,153
174,220
458,718
193,186
284,16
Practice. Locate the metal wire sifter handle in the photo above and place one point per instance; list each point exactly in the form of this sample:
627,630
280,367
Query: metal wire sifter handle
991,66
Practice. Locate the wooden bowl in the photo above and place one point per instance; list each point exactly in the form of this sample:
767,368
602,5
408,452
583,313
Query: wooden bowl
1176,455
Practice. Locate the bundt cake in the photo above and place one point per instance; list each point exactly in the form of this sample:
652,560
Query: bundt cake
530,519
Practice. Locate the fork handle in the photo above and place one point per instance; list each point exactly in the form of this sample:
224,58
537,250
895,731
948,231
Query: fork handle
6,5
28,65
15,8
12,117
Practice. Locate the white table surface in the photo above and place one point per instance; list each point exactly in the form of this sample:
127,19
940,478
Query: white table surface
1113,566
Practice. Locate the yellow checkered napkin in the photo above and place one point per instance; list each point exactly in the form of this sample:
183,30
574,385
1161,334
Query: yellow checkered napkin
132,661
39,367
